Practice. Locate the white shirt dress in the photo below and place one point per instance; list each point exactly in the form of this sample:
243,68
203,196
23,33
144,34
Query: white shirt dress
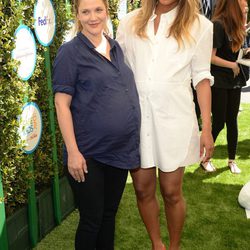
163,73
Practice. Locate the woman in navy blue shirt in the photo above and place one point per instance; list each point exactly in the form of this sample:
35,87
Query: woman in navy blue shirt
99,116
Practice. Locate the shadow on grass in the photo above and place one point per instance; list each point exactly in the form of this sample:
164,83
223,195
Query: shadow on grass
218,172
243,150
214,219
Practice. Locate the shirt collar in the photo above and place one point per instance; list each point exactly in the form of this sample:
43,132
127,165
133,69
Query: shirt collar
112,42
84,39
152,18
168,16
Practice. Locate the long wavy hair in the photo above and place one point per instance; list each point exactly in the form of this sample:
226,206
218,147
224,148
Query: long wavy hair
187,12
230,15
78,25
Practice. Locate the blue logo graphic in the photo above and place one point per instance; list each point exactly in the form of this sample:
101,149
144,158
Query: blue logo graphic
42,21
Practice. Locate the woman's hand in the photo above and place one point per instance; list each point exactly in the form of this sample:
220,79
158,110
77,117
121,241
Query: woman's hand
206,146
77,166
218,61
235,69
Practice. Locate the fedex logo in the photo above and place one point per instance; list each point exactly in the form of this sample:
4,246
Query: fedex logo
43,21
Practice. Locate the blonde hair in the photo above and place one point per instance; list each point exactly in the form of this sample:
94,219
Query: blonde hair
78,25
187,12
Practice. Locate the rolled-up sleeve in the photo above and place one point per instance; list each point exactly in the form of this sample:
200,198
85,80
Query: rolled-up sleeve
64,71
201,61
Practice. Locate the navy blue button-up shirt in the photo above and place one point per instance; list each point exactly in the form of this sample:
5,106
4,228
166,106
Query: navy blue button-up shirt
105,105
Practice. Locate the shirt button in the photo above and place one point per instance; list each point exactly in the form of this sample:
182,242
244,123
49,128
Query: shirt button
149,78
147,134
126,90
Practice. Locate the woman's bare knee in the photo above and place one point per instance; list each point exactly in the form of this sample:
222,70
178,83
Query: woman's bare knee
144,181
171,197
144,193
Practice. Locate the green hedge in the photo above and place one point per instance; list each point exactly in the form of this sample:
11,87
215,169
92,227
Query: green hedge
14,163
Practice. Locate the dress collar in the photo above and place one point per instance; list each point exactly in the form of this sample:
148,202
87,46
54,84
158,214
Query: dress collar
168,16
152,18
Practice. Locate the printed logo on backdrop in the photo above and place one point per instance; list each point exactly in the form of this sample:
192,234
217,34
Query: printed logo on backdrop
30,127
25,52
45,22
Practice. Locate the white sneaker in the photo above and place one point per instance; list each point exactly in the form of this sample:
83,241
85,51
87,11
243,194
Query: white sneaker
208,166
233,167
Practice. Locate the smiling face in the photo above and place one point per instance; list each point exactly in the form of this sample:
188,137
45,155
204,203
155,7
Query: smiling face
92,15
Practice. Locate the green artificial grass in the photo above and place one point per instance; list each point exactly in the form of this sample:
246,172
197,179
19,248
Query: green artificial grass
214,221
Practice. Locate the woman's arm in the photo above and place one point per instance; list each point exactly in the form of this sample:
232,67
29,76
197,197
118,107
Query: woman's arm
76,162
218,61
204,99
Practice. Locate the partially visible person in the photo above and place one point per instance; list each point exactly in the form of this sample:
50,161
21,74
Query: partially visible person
244,9
99,116
207,7
167,43
229,35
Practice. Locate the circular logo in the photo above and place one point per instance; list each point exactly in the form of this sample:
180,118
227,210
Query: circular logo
45,22
25,52
30,127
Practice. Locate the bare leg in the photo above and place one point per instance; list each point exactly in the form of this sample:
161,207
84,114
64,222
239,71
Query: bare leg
144,181
175,207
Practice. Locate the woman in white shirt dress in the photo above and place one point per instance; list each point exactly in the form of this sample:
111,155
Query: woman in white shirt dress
167,43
